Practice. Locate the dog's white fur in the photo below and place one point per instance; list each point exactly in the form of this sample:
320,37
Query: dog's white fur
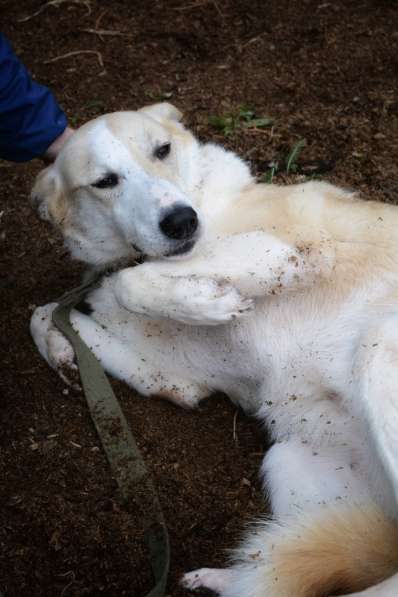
288,303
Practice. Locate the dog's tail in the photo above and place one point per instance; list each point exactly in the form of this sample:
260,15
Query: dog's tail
337,552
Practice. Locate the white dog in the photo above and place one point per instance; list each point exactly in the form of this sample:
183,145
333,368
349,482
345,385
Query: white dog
285,298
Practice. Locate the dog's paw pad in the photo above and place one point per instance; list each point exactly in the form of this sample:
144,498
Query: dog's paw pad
70,376
234,301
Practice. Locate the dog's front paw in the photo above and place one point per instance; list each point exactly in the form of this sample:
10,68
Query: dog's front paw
61,357
202,301
188,299
52,345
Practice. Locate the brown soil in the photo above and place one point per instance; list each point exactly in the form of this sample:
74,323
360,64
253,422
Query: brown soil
326,72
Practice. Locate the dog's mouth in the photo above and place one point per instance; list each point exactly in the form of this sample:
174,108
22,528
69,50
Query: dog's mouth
136,249
182,249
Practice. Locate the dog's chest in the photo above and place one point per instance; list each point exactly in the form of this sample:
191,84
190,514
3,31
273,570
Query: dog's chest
292,347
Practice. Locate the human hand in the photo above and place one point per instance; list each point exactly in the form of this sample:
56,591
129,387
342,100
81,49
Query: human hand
57,144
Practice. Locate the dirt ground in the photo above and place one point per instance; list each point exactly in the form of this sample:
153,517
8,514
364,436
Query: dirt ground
323,71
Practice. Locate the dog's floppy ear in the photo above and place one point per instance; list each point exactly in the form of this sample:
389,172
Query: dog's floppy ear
48,198
162,111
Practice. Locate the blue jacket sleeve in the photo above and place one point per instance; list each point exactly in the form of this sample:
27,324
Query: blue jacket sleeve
30,118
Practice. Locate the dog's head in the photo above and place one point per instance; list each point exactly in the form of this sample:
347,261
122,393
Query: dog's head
122,185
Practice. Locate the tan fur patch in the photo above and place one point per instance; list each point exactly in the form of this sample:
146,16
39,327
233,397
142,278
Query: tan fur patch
338,554
53,203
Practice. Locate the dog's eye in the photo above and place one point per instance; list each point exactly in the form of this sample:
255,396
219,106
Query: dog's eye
108,182
162,151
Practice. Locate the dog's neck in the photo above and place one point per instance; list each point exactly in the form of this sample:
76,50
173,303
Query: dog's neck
220,176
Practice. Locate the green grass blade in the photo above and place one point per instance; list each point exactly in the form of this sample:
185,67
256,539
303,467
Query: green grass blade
294,154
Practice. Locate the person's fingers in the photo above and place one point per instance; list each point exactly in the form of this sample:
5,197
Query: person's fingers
56,146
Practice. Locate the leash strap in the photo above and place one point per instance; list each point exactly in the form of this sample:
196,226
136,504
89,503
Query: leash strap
133,479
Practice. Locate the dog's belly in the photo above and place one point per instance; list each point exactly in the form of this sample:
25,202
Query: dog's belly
291,347
290,362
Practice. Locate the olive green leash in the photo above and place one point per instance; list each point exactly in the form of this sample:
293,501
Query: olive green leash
133,479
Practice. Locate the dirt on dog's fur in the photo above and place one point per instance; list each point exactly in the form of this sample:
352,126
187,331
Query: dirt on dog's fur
324,71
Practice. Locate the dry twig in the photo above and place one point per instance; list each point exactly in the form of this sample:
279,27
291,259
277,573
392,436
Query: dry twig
56,4
252,40
76,53
101,32
72,576
189,6
99,18
198,5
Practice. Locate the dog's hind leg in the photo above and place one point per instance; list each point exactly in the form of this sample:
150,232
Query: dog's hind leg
376,399
340,549
328,536
298,478
376,395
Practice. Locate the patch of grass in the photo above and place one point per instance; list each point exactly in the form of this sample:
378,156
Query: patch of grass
243,118
289,165
268,176
73,121
95,106
291,162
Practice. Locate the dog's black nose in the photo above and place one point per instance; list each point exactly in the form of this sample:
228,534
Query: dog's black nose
180,224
